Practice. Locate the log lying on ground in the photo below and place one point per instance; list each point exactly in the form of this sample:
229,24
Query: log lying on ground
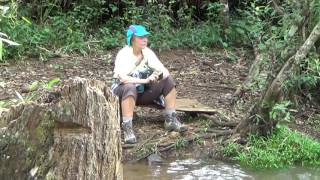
76,137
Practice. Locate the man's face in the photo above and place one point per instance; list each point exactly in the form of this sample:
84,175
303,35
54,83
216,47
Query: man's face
140,41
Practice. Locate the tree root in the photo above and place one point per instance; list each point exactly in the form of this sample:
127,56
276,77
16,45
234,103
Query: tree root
161,148
219,123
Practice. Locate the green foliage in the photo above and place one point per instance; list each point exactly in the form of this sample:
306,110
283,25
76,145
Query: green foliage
231,149
180,143
256,14
147,149
281,111
49,27
310,76
3,104
51,83
214,10
315,11
205,124
204,35
33,86
1,50
110,36
283,148
4,40
62,31
307,79
36,39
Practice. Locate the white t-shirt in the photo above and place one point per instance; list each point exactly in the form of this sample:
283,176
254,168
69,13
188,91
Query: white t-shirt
126,63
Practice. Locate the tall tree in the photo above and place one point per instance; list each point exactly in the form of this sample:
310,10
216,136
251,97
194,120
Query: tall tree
258,120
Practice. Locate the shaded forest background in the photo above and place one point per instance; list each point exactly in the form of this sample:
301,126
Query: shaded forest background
82,26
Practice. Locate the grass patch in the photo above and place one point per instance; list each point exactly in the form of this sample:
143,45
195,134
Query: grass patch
282,149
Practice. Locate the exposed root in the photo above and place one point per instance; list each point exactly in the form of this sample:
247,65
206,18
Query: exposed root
144,152
220,123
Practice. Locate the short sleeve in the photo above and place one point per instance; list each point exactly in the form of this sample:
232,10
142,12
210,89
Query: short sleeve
122,65
118,64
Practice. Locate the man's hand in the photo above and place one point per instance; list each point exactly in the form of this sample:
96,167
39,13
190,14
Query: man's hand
153,78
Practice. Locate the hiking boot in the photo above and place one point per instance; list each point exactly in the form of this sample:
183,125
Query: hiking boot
172,123
129,137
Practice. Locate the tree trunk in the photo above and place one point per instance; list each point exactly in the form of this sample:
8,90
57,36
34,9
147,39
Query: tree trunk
75,137
277,8
253,72
261,124
224,13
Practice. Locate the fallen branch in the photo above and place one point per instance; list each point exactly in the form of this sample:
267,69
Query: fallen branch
215,131
214,135
128,146
202,136
212,65
144,142
168,146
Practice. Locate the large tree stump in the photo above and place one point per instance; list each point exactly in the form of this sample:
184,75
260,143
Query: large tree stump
75,137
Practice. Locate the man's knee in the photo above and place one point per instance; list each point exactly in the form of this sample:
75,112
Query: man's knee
169,81
169,84
129,90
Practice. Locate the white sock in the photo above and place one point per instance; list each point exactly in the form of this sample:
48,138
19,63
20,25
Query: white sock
126,119
168,112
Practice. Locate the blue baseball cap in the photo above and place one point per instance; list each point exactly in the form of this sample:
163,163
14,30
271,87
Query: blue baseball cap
136,30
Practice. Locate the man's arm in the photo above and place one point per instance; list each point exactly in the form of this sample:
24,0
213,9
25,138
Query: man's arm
125,79
156,64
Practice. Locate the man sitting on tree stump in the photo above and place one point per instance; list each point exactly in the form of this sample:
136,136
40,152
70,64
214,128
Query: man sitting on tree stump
141,79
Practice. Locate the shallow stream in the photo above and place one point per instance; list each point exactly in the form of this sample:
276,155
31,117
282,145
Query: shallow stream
191,169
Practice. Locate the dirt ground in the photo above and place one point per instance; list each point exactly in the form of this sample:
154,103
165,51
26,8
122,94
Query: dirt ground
210,77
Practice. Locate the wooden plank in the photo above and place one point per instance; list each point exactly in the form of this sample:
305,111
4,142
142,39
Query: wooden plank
192,105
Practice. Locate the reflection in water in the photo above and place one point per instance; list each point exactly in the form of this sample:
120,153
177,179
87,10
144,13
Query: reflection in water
192,169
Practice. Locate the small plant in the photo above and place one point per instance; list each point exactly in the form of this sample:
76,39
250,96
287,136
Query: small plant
49,85
198,140
231,149
147,149
4,39
281,111
3,104
205,124
180,143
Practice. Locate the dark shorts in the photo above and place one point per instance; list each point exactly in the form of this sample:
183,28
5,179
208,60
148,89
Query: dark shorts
151,91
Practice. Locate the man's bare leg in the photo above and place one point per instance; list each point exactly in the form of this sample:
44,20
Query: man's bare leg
170,99
127,108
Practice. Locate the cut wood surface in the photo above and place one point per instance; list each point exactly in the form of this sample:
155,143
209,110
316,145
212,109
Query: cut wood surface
192,105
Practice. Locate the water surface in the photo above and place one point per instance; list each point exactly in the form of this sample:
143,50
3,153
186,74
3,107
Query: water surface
192,169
